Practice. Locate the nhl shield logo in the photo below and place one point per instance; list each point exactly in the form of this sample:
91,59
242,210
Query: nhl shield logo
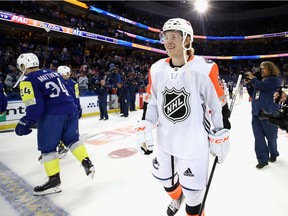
175,104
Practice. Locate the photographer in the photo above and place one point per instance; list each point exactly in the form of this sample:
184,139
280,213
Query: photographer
261,91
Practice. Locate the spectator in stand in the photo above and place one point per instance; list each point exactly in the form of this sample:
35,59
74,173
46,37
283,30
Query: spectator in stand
3,100
9,82
114,77
261,92
83,81
102,93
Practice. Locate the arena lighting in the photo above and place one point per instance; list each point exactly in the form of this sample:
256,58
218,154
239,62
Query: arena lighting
138,37
202,37
22,20
77,3
201,5
123,19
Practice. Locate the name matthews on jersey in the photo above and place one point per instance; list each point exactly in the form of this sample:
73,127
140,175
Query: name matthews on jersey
48,76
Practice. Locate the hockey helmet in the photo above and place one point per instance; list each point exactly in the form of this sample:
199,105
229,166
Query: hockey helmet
179,24
64,70
27,60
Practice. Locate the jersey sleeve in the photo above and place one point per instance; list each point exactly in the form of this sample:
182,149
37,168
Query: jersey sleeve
32,99
214,76
213,104
77,99
73,89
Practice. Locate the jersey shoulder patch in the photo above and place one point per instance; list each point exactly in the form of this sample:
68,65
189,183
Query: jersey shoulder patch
27,93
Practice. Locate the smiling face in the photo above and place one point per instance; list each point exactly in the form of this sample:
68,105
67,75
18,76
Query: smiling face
173,44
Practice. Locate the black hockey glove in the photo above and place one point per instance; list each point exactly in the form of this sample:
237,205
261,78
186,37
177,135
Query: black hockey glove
226,115
24,126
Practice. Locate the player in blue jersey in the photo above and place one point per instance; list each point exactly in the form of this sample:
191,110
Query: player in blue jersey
65,72
50,104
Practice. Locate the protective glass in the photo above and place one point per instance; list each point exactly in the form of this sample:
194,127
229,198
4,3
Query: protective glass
175,36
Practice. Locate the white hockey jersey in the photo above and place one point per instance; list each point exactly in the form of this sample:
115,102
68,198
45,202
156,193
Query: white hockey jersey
180,101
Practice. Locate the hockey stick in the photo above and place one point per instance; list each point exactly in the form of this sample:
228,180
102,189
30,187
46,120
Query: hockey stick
208,186
47,29
236,91
216,158
42,25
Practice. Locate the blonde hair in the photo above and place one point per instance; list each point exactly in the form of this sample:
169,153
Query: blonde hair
189,52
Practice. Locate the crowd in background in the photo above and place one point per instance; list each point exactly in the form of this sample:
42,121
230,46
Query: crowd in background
88,67
90,61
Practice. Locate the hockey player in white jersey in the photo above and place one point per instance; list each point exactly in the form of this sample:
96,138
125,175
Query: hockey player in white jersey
182,93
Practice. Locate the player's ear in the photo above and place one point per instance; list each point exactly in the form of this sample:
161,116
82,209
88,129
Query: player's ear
22,67
187,41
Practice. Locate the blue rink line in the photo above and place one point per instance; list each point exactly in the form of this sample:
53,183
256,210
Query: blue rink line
19,194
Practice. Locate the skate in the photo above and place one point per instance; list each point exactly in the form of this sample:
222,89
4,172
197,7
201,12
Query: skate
88,167
62,150
50,187
175,205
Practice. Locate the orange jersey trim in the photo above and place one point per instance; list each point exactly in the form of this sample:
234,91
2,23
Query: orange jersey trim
148,87
190,59
214,75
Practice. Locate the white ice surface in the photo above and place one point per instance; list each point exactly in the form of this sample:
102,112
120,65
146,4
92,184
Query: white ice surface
124,186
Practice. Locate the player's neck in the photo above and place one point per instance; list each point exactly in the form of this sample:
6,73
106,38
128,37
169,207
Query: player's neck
30,70
177,62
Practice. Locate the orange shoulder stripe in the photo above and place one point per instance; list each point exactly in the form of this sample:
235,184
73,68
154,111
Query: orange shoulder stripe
214,75
148,87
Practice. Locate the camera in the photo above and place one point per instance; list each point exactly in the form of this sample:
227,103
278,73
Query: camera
256,72
279,118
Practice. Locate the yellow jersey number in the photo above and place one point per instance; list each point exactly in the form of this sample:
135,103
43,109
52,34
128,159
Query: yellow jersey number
27,93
